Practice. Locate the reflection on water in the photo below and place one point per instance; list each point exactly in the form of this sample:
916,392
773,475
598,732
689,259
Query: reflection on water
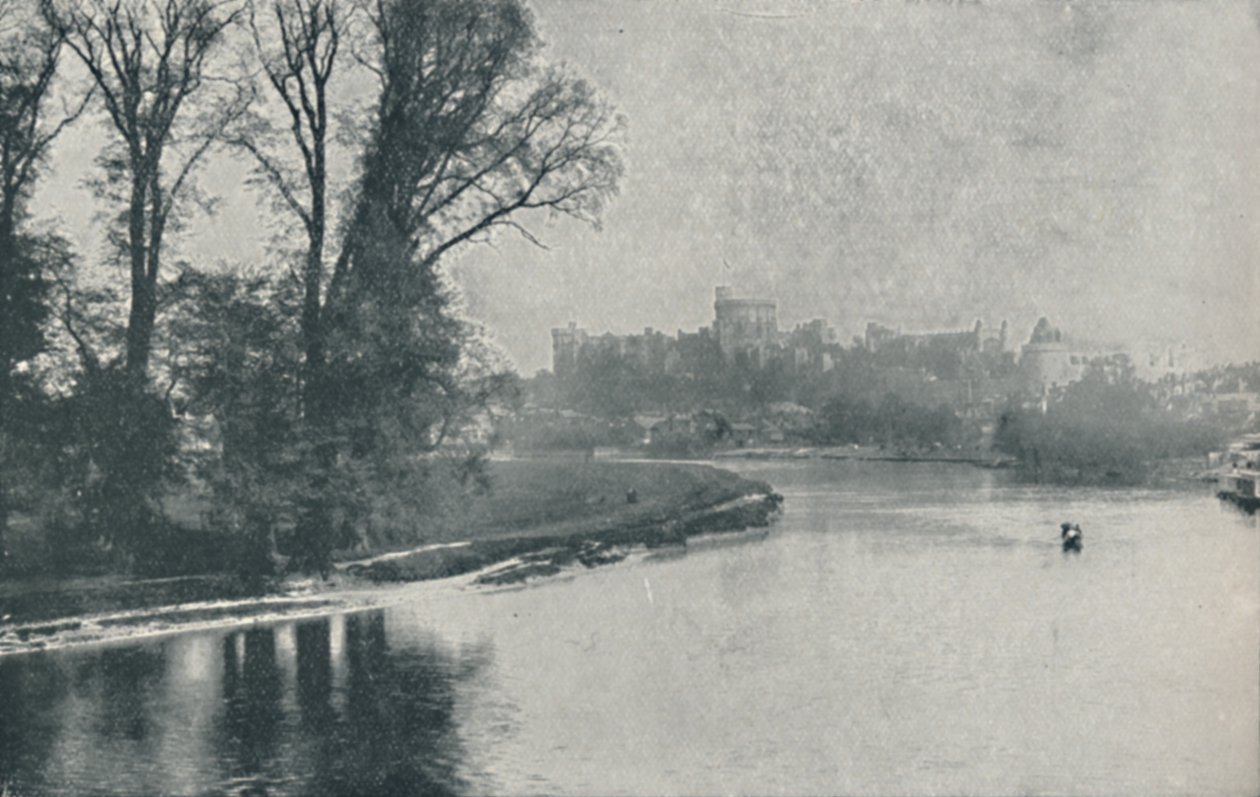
316,707
902,630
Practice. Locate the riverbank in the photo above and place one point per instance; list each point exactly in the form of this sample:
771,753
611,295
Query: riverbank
984,459
1168,473
538,519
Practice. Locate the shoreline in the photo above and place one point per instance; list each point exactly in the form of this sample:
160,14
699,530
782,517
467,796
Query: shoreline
117,609
864,454
1174,473
98,610
516,559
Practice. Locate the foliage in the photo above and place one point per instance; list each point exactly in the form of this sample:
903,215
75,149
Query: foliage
29,57
240,373
844,419
151,65
470,131
539,434
340,399
680,444
32,263
116,444
610,385
1101,430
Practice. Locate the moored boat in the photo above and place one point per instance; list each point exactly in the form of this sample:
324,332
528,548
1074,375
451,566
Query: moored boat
1243,487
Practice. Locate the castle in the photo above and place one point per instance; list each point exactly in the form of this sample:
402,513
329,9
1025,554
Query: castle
745,332
971,370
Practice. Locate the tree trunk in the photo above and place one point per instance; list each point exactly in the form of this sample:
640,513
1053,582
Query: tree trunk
8,278
312,321
140,328
4,484
317,525
143,297
316,398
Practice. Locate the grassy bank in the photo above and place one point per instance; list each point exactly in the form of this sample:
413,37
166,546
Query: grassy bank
567,512
551,497
553,514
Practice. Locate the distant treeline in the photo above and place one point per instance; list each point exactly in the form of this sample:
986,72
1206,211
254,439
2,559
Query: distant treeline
843,419
612,386
1106,428
891,421
1101,431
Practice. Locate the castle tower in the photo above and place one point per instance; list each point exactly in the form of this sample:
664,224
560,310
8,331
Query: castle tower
1045,359
743,324
566,348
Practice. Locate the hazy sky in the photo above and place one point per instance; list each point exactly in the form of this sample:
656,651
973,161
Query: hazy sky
921,163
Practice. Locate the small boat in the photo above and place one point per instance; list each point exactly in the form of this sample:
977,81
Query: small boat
1243,487
1073,539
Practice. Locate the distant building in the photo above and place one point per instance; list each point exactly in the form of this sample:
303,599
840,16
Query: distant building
1152,363
965,369
970,354
1046,362
566,348
880,338
744,326
573,349
744,331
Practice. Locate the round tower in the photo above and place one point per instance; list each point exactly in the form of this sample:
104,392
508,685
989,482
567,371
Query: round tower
1045,359
742,324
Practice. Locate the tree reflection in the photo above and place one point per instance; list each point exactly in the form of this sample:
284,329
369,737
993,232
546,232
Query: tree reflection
397,734
252,716
337,712
386,728
30,699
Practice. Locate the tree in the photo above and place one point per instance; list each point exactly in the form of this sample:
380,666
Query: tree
1102,428
240,370
150,61
119,445
844,419
470,135
30,55
27,67
299,69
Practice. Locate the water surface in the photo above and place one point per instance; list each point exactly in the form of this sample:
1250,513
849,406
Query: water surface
903,629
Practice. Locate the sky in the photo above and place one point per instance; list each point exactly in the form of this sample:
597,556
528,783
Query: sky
920,163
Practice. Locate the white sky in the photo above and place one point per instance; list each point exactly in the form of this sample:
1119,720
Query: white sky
921,163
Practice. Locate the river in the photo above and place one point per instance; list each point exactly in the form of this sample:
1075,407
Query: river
903,629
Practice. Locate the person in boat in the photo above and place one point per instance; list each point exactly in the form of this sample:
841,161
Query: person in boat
1071,535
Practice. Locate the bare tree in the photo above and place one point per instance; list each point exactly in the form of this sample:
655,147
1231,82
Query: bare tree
150,61
29,55
298,45
28,64
470,134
